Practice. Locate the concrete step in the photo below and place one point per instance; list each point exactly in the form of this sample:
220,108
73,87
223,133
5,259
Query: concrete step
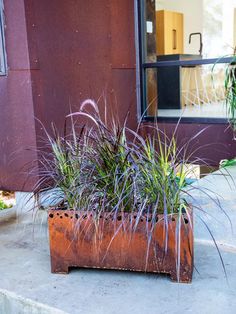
11,303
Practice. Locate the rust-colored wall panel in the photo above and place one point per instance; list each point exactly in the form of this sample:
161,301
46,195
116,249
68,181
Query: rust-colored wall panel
124,95
16,36
122,34
17,131
17,138
73,49
32,37
71,42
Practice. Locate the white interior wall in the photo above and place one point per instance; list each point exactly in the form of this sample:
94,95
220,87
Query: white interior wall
193,19
229,25
219,27
228,29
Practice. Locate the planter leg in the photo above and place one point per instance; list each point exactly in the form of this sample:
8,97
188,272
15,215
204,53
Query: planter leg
59,268
173,276
185,277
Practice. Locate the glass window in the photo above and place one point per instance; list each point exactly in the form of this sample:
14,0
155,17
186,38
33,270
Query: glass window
3,65
186,47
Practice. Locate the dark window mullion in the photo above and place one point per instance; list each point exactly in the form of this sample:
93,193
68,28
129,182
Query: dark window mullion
142,52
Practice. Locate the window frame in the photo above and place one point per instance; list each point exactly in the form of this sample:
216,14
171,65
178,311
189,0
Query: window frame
3,56
144,66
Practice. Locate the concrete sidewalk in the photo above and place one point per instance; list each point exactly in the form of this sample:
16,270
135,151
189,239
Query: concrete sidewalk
25,271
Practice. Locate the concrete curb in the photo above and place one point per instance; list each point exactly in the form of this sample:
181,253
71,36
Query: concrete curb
11,303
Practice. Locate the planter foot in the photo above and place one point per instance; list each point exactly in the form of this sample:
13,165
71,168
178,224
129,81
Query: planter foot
60,269
183,278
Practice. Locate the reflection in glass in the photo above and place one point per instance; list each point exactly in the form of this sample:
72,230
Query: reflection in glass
219,32
150,31
214,19
202,93
151,75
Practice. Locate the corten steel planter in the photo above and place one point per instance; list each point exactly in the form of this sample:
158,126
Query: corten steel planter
79,240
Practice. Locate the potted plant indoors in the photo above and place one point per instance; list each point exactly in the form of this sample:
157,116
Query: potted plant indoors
121,202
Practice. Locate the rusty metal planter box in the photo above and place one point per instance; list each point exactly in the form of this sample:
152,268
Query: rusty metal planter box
77,239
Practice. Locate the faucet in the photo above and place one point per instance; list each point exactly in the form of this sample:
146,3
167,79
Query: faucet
201,44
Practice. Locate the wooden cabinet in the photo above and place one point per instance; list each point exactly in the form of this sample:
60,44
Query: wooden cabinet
170,32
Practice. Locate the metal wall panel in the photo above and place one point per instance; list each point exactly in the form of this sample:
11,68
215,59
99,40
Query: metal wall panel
17,128
122,34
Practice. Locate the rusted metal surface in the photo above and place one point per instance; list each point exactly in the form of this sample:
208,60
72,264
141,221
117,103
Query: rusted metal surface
73,46
79,240
122,34
60,53
17,124
121,79
78,44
